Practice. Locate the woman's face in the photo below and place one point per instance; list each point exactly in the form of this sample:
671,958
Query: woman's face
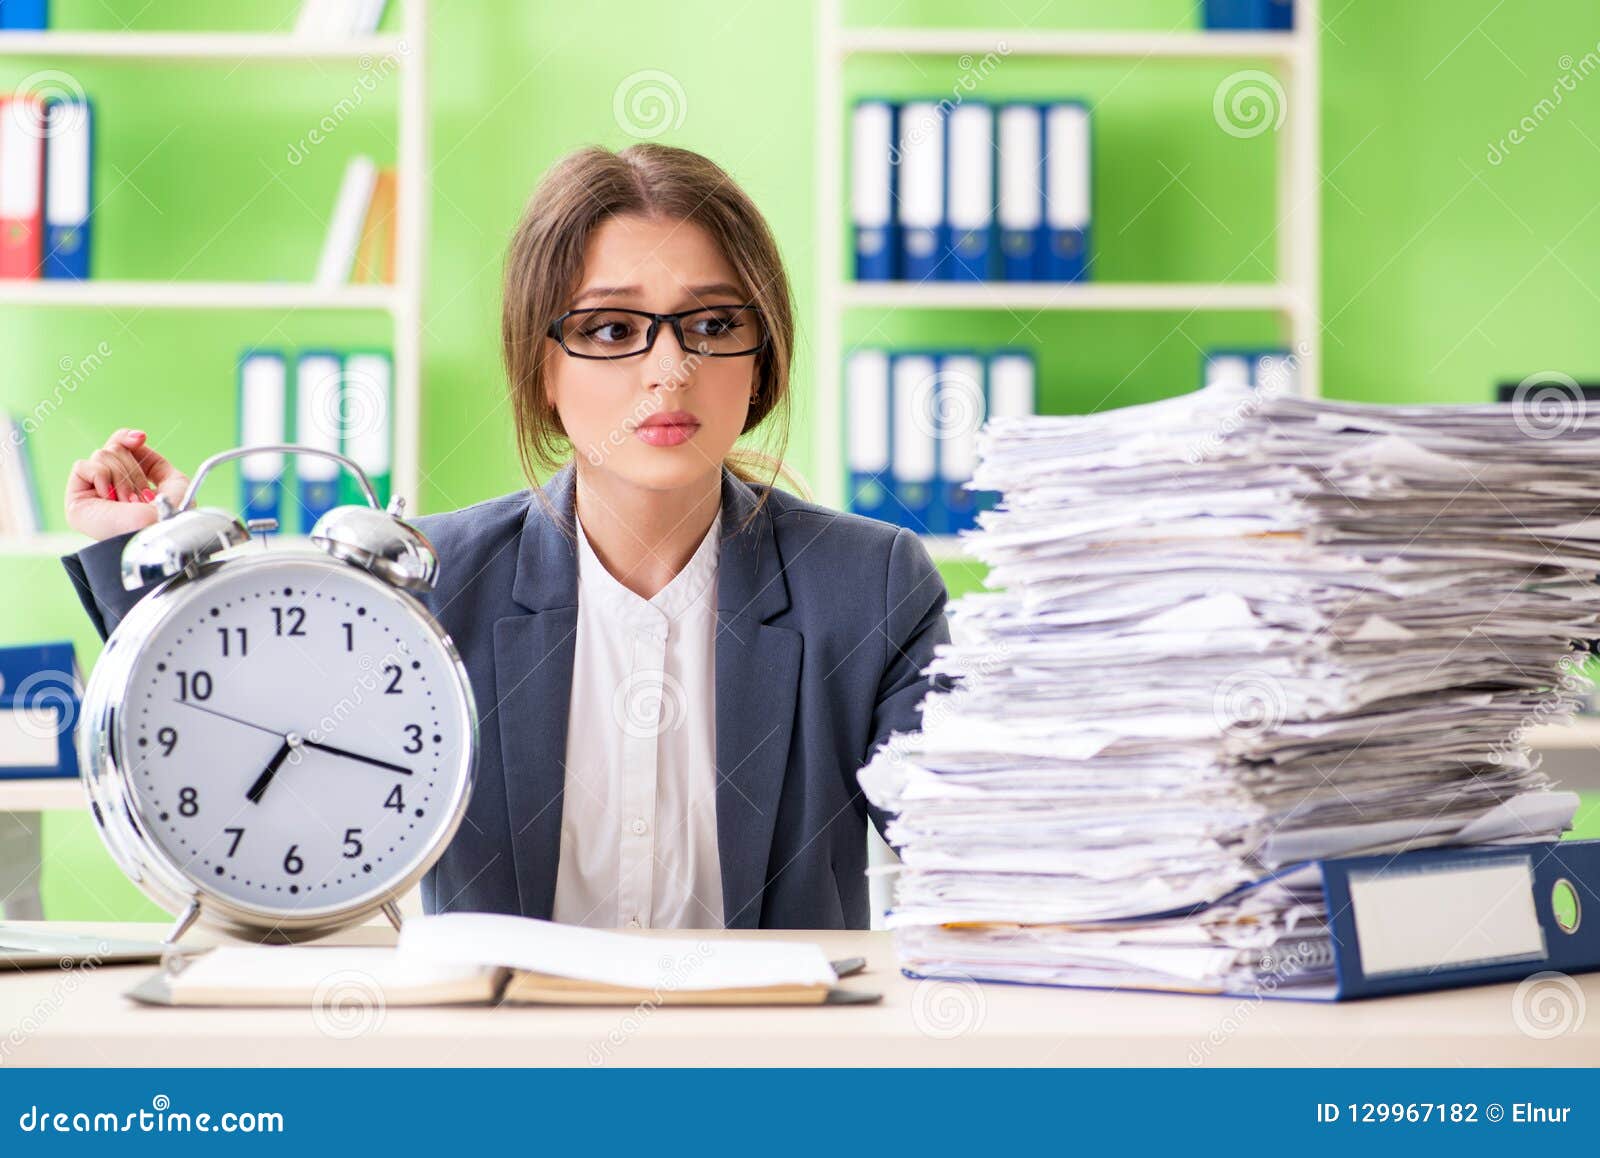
665,418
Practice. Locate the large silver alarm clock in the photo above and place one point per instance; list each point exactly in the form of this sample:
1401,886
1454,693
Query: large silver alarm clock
278,740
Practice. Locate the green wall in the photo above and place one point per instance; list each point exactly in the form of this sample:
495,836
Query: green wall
1443,273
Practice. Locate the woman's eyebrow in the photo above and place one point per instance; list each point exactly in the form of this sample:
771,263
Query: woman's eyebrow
698,292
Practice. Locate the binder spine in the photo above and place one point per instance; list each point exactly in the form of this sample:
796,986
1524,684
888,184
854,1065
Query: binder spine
970,184
921,137
261,420
69,189
912,447
867,433
1020,212
872,196
1067,192
24,15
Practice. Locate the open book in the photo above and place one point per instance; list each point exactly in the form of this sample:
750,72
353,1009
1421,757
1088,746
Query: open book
487,958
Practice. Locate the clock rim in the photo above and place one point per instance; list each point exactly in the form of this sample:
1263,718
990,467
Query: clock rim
117,806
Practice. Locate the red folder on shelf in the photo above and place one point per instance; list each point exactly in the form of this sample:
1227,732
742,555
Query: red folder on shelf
21,185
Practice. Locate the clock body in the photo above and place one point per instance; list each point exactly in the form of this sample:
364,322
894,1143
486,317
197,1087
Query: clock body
280,737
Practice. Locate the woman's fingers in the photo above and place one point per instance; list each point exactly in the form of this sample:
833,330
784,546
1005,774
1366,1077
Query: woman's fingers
127,476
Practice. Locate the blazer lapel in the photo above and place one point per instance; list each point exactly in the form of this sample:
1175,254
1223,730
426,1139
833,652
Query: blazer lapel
533,658
757,679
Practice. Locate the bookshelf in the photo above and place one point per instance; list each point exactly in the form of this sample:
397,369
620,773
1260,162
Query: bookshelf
1294,297
401,301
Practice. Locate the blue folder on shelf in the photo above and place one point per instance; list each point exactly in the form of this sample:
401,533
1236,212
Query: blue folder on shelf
1067,191
24,15
913,462
69,184
872,150
1011,392
318,383
960,410
41,693
920,208
1249,15
867,434
262,407
970,192
1272,368
1020,212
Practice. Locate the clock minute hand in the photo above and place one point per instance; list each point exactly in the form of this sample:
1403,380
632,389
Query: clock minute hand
235,719
332,751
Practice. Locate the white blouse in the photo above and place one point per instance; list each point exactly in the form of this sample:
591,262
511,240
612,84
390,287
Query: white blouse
638,814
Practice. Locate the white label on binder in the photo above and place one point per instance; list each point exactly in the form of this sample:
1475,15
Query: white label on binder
67,174
871,145
1021,198
1067,155
1445,917
867,393
971,166
28,737
261,420
960,411
921,165
915,400
317,416
367,390
1276,374
1228,370
21,130
1010,386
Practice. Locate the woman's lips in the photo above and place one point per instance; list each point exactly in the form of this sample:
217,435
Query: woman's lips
667,429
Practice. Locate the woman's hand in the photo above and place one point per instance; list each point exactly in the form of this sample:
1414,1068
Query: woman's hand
114,489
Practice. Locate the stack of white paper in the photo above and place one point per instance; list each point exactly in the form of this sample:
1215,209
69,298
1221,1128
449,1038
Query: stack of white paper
1235,632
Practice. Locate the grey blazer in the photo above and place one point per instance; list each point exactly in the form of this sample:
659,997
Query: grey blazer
826,621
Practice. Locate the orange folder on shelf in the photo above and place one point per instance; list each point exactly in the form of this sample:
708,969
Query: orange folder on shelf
375,253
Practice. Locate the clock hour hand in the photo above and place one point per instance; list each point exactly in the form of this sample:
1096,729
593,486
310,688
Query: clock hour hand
271,770
332,751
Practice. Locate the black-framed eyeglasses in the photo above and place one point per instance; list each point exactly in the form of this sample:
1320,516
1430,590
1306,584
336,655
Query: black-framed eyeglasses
712,331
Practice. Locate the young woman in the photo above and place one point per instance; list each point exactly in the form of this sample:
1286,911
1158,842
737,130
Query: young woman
678,669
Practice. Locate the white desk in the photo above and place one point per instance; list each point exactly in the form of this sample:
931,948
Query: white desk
83,1019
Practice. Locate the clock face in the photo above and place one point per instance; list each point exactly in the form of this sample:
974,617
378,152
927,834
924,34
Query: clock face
296,736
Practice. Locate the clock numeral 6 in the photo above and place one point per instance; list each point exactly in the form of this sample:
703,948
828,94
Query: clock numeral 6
198,683
352,846
292,864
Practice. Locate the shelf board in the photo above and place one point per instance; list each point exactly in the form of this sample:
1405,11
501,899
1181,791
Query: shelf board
992,295
218,46
60,793
1578,734
46,543
198,295
1126,45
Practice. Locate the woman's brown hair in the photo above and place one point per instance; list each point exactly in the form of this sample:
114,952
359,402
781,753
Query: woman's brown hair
544,267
